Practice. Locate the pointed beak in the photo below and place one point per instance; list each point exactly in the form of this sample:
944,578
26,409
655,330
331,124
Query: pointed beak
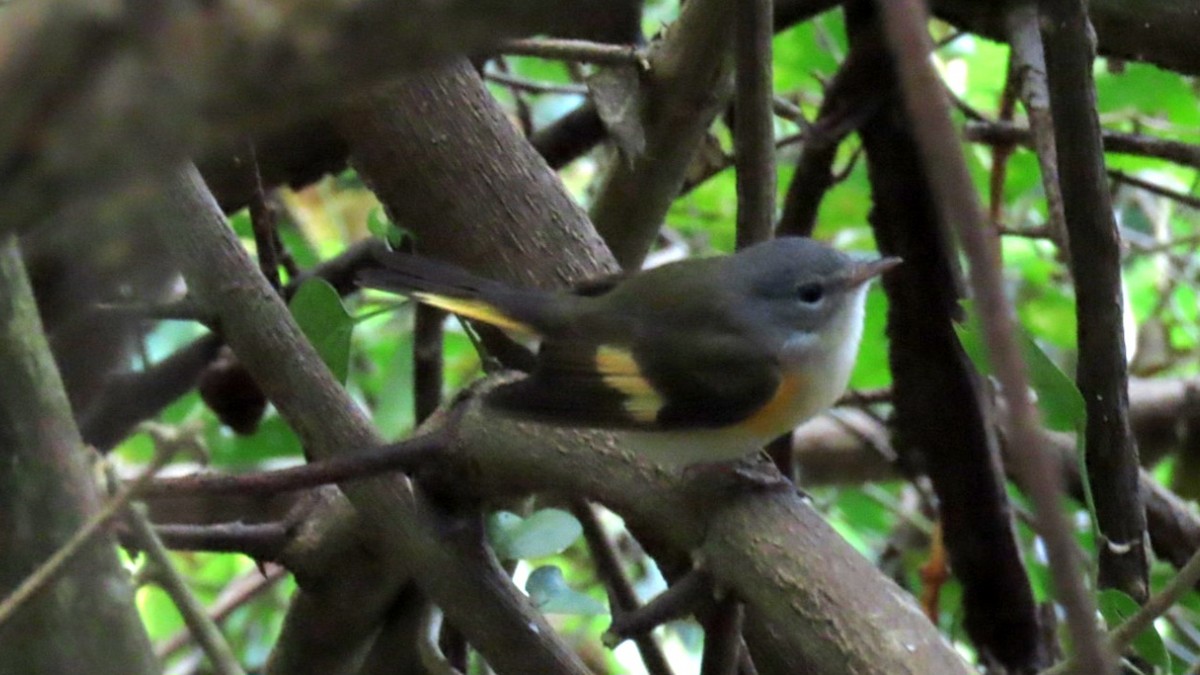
870,269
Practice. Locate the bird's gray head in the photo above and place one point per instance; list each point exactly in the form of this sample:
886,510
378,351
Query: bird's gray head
807,287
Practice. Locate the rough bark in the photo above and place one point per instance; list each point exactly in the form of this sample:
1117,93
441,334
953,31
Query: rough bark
943,421
1095,260
86,620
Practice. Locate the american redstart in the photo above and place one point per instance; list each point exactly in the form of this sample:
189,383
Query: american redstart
714,356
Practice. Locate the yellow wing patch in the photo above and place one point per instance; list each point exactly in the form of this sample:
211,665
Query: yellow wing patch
474,309
619,370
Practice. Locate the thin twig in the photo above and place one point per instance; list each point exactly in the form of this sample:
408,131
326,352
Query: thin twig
534,87
582,51
1029,68
524,113
336,469
180,310
49,571
432,658
1123,636
262,221
203,628
261,541
1182,198
682,598
790,111
1186,154
239,592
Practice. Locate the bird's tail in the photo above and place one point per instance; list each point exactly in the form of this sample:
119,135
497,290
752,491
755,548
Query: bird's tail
453,289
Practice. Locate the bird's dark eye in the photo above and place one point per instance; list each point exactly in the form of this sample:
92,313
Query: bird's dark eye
810,293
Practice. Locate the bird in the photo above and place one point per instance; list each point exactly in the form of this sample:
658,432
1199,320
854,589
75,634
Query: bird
700,361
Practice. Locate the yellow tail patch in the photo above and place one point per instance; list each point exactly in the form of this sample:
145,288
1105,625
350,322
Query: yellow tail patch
475,309
619,370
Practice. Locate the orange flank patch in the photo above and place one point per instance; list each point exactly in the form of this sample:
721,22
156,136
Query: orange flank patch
781,413
474,309
619,370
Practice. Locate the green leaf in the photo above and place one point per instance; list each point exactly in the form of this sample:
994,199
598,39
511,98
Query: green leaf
551,594
1116,607
320,314
1058,399
544,533
383,228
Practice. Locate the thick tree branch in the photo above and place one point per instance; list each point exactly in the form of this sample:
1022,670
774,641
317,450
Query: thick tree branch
580,130
685,88
769,549
256,324
958,206
754,122
1161,32
1110,451
943,419
428,140
99,100
47,492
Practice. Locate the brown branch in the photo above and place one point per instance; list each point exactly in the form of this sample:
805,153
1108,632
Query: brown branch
265,224
130,398
533,87
678,601
582,51
620,590
236,594
570,136
1119,142
577,132
943,420
754,122
957,205
723,639
1029,67
122,104
427,361
335,469
163,572
853,95
261,541
686,88
1154,188
1095,261
1159,32
473,592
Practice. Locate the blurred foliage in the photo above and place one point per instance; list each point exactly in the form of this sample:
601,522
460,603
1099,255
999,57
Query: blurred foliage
889,522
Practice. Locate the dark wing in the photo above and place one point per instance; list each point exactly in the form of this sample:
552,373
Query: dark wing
704,383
